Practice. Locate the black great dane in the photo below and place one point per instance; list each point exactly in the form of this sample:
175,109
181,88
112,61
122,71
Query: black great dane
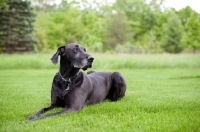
73,89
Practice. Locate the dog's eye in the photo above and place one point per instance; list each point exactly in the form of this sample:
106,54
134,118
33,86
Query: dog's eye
84,49
75,49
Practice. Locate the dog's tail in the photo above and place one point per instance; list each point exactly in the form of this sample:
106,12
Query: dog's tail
118,87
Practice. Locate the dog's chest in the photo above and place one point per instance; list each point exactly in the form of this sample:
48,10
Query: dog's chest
63,89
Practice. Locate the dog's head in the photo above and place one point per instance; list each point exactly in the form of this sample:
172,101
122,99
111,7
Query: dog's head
74,54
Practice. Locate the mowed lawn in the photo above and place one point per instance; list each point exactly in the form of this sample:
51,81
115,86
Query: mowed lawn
157,99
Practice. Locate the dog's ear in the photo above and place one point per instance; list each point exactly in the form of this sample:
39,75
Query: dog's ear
60,51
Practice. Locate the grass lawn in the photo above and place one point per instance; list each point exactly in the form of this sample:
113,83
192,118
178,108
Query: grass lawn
157,99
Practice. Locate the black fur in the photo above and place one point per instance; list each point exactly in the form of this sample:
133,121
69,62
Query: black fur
73,89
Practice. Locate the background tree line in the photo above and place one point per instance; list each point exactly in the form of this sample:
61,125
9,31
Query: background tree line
130,26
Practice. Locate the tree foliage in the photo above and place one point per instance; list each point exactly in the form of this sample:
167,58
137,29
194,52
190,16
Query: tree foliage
117,29
191,38
172,34
93,36
130,26
16,26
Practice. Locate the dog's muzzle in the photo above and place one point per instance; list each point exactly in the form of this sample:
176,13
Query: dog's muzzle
89,64
90,59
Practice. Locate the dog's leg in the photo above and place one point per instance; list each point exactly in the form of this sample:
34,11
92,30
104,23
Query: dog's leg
56,103
41,111
54,114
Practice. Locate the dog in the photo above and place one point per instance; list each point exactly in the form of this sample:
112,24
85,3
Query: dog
72,89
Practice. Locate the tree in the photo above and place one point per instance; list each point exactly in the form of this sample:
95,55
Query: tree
61,27
172,34
191,38
3,9
16,26
93,37
184,14
142,16
117,29
154,45
3,5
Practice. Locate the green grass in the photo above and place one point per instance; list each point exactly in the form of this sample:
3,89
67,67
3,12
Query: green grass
104,61
157,99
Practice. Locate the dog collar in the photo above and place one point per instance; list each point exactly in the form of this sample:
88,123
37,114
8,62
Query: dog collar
68,80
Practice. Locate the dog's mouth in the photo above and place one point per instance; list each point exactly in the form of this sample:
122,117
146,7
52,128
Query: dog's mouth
89,63
86,67
84,64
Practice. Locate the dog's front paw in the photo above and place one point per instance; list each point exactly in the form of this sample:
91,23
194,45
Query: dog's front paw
31,117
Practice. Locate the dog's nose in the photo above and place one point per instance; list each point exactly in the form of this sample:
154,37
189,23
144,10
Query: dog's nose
90,58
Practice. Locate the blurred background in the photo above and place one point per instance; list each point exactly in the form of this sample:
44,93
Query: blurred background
113,26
